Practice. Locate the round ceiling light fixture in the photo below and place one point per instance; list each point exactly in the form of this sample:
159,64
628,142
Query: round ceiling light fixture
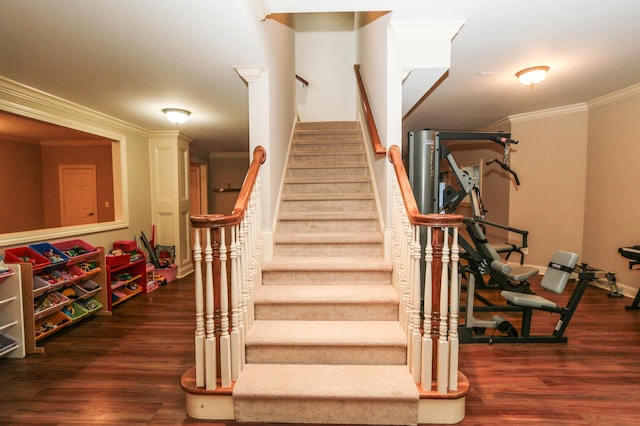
533,75
176,115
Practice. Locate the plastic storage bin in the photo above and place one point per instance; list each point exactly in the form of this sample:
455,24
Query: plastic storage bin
76,250
49,251
169,274
7,344
27,255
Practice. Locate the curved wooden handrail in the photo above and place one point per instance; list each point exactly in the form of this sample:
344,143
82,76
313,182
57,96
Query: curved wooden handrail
379,150
415,217
237,214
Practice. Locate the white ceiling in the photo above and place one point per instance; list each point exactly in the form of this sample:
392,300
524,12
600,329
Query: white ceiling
129,59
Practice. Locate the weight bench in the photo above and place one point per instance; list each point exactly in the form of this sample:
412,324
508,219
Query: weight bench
555,280
481,255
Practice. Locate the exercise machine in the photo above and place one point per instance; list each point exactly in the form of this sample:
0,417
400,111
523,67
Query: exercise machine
633,254
555,280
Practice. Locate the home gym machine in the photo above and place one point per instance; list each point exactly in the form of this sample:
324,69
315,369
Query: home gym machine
429,160
633,254
555,279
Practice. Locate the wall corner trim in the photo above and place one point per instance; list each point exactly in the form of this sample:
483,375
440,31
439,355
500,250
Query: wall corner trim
551,112
614,96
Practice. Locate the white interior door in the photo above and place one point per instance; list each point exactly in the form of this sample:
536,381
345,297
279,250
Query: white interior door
78,198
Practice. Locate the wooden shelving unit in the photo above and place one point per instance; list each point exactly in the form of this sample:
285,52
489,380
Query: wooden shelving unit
126,281
81,293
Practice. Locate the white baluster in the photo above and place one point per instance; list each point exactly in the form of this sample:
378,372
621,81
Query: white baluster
225,344
200,335
235,310
210,343
454,343
427,341
443,343
414,282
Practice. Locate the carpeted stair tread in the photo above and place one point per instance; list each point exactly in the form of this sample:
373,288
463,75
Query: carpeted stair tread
384,383
348,215
336,165
328,238
324,333
327,263
328,179
327,196
305,152
326,294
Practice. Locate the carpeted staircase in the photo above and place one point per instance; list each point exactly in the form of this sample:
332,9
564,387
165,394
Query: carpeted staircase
326,345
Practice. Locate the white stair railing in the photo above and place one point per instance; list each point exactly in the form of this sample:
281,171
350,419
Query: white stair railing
225,281
430,295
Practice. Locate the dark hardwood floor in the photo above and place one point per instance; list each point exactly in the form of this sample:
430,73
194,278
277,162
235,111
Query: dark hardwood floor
125,369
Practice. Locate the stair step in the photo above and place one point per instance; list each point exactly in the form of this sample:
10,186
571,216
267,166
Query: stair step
330,394
325,125
326,302
326,342
330,180
313,145
328,196
328,244
329,238
301,271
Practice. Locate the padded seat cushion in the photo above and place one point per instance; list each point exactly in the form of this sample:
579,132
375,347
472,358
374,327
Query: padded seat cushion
521,273
530,300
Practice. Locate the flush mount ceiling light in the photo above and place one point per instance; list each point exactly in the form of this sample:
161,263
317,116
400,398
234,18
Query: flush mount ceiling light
176,115
532,76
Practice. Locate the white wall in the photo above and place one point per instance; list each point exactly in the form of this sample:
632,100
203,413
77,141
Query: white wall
272,106
324,56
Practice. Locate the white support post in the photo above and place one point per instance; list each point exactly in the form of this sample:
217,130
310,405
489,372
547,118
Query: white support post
443,343
235,314
199,289
210,343
454,343
225,343
414,280
427,341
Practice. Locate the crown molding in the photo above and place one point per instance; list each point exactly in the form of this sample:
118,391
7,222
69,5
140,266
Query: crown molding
41,101
248,74
618,95
551,112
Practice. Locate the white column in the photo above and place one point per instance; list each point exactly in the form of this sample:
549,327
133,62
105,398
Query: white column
169,157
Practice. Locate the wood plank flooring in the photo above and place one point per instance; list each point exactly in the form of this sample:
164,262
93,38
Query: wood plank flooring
125,369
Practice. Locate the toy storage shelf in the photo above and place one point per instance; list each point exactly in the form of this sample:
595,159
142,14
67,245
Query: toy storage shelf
53,294
126,280
11,318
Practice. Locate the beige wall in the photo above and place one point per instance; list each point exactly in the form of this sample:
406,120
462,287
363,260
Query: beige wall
551,161
612,201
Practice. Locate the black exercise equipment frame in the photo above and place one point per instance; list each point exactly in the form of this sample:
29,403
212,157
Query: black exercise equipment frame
524,336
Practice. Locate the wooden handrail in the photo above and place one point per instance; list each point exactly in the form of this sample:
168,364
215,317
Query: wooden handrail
304,82
415,217
379,150
237,214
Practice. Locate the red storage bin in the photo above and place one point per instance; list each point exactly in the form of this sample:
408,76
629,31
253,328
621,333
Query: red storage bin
125,245
76,250
27,255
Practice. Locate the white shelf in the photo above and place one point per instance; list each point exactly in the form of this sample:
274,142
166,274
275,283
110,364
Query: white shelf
11,314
